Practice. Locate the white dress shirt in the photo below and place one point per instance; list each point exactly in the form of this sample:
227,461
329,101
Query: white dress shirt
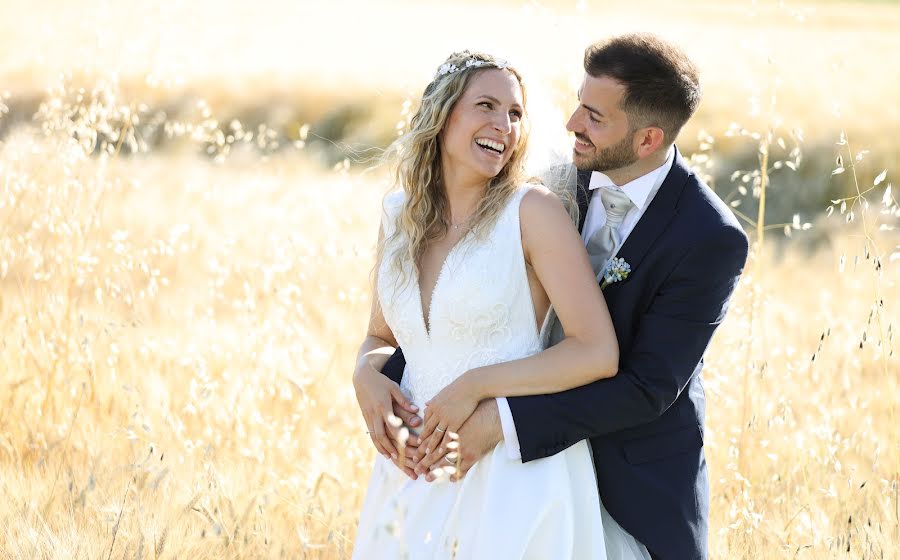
641,192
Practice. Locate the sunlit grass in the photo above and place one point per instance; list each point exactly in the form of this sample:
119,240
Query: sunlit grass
183,287
179,335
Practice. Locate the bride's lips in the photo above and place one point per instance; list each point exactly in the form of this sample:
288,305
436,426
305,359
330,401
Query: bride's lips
486,151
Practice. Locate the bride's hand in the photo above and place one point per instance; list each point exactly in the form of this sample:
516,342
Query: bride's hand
446,413
375,394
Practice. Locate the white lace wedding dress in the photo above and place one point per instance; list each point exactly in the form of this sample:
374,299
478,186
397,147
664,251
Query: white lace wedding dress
481,313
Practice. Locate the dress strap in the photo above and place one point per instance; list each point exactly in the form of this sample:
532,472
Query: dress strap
391,206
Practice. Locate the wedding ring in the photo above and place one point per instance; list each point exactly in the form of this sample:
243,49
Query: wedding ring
440,429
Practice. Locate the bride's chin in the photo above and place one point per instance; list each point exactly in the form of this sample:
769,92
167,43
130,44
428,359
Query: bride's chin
489,172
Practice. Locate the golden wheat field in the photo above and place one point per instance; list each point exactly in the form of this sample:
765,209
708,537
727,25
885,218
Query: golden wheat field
188,209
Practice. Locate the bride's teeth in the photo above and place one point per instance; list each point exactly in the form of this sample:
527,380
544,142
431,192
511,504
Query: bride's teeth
491,144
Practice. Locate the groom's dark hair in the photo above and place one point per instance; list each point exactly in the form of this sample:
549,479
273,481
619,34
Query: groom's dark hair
662,87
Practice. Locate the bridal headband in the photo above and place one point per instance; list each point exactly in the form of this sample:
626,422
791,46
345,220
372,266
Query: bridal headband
450,68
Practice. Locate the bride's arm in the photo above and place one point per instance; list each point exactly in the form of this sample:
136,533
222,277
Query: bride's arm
375,392
379,343
589,352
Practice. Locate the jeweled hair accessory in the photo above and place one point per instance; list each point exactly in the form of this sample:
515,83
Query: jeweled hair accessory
450,68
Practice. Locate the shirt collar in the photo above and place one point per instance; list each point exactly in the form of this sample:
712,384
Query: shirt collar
639,190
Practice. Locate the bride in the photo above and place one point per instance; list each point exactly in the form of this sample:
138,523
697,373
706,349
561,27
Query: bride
470,258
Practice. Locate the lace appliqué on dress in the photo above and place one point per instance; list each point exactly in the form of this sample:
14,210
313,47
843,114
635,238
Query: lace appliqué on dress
481,309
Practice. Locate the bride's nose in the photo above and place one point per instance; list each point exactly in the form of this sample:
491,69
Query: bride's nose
503,124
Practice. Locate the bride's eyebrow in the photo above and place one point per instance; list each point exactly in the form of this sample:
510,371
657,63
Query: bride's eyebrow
496,101
489,98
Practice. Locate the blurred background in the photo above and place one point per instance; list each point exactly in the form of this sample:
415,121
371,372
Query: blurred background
188,208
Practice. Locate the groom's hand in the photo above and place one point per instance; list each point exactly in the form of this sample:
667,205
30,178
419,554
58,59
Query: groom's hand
406,462
405,440
477,436
410,419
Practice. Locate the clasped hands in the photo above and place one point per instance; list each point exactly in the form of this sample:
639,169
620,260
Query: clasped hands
458,429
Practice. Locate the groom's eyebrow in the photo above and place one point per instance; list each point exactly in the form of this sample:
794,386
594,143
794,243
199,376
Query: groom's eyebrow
592,110
588,107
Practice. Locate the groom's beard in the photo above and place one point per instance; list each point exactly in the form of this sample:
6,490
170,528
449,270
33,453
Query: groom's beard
616,156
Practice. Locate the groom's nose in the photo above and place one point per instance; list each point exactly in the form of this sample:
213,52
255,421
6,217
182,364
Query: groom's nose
574,125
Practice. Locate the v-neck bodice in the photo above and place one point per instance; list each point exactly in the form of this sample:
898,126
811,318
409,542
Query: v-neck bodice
426,313
481,311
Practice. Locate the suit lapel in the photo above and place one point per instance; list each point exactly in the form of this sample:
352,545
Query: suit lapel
662,209
582,196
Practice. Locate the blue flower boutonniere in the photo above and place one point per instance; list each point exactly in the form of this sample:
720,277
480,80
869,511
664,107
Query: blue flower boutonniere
616,270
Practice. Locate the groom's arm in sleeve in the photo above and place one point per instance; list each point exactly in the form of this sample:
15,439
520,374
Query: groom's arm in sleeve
393,368
671,338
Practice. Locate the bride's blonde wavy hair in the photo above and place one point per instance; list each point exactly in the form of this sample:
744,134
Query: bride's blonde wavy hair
416,157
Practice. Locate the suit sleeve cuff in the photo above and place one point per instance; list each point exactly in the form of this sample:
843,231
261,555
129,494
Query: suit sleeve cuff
510,437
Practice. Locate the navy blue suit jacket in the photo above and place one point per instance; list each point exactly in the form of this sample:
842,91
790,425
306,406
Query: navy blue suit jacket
645,425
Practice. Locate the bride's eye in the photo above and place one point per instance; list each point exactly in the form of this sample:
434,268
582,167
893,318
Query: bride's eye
516,114
487,104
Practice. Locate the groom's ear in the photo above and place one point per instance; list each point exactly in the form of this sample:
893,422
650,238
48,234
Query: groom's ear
648,140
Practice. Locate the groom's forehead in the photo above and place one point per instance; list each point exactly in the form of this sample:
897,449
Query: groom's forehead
601,85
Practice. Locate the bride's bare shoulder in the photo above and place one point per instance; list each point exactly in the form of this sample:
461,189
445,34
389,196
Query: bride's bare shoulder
539,203
543,218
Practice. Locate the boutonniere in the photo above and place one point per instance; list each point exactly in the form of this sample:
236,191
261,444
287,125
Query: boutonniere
616,270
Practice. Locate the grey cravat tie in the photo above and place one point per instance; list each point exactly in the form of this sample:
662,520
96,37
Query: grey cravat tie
600,247
604,241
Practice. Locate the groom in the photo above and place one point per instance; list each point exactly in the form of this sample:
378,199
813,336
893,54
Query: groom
686,252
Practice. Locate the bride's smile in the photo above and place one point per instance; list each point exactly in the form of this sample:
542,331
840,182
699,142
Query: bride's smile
483,129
